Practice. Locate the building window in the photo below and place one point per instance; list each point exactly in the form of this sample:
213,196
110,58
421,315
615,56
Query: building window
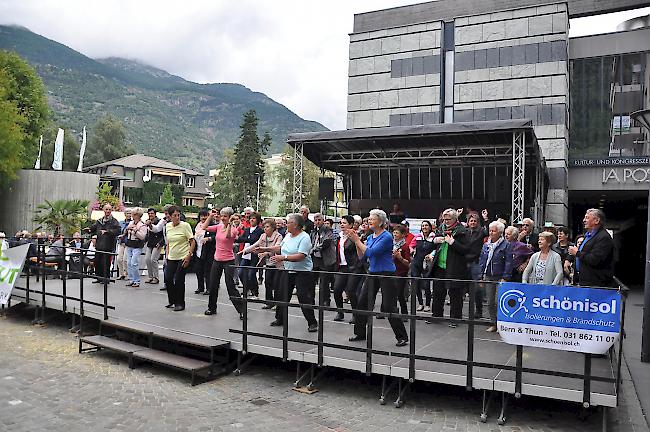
188,201
189,182
130,174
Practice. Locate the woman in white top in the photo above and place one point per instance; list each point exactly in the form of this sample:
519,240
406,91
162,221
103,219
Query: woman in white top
545,266
135,234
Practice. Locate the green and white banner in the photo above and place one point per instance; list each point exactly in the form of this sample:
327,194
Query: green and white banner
11,264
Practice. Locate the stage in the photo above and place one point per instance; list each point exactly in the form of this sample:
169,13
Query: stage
441,352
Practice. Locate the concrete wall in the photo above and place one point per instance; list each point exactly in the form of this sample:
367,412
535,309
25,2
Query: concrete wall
33,187
514,64
445,10
394,77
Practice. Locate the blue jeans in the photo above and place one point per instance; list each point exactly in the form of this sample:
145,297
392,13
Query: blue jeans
133,263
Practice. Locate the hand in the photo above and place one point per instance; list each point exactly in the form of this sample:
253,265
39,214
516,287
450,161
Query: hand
275,259
397,253
102,232
460,211
263,255
186,261
567,267
522,235
428,258
484,213
449,239
438,240
204,240
241,252
573,250
352,234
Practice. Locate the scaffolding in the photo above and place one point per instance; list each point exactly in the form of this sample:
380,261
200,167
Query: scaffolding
457,161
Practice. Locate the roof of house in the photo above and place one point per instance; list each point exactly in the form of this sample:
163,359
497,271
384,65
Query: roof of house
140,161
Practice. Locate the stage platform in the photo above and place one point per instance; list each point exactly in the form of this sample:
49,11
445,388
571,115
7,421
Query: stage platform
145,305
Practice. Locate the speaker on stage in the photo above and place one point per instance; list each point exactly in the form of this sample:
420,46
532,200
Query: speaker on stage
326,188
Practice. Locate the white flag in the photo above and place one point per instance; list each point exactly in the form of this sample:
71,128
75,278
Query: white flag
82,151
57,163
11,264
38,159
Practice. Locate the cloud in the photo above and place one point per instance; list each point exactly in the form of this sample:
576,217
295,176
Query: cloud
296,52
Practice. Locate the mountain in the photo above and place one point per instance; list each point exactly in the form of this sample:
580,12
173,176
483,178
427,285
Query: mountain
164,115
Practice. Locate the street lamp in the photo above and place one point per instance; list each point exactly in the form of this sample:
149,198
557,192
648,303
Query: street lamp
643,117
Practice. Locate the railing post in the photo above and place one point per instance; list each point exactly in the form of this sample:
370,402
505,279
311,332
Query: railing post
369,321
244,340
412,323
470,336
321,320
586,389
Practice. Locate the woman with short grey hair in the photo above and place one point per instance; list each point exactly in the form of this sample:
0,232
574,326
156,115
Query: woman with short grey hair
381,216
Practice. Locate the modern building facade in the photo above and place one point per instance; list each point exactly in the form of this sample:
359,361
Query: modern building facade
452,61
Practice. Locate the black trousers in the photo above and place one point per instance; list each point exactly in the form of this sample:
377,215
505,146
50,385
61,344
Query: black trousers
202,270
440,290
346,281
420,286
366,301
402,285
219,267
175,282
325,281
271,278
102,264
248,276
304,284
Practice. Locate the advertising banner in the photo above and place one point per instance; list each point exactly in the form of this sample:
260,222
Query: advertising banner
565,318
11,264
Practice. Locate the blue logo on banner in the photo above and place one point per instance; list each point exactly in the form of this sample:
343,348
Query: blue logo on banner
560,306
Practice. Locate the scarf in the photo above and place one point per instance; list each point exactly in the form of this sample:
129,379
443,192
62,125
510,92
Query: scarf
491,247
444,247
397,245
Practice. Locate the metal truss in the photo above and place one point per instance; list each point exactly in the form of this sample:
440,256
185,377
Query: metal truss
412,156
297,175
518,173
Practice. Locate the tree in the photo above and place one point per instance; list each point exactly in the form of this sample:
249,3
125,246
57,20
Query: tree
11,136
106,141
223,188
23,114
284,176
105,195
71,148
167,196
62,216
248,163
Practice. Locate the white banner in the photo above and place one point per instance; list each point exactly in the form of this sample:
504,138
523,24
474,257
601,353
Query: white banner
37,165
11,264
82,151
57,163
564,318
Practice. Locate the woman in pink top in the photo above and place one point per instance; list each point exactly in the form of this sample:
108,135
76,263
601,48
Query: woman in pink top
271,237
224,259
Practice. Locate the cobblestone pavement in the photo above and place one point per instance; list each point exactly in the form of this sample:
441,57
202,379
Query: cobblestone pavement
46,385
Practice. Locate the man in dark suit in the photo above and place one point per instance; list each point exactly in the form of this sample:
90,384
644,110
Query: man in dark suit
595,256
309,225
323,251
528,234
449,262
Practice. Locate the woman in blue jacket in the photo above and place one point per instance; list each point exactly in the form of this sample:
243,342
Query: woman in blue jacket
496,266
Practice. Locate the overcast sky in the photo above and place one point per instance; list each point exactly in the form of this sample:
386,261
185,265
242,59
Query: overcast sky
296,52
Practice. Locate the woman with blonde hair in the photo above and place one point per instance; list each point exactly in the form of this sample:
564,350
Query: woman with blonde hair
545,266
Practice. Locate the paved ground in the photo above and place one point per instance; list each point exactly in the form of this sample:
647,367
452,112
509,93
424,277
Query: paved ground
46,385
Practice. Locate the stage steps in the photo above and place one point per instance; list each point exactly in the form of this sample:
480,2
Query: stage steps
200,356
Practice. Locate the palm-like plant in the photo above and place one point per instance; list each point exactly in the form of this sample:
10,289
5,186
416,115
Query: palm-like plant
62,216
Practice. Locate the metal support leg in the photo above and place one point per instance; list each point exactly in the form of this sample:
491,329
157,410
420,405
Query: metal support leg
487,398
385,389
312,383
605,412
299,379
401,390
504,406
241,366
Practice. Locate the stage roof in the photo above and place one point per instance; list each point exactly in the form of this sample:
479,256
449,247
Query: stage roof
448,144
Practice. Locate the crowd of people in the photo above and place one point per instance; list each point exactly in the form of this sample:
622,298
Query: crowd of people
352,263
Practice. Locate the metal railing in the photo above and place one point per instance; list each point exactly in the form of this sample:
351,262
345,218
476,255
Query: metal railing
43,266
615,355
